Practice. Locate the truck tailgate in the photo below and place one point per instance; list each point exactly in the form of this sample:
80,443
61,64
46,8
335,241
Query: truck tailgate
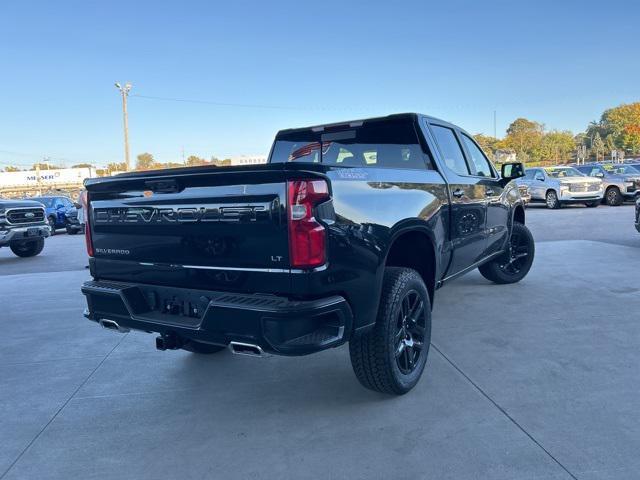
204,218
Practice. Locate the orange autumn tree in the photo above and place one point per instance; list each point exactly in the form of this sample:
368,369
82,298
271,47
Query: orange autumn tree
623,124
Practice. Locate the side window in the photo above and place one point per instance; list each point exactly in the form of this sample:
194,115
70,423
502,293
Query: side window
384,155
539,175
450,148
528,174
479,162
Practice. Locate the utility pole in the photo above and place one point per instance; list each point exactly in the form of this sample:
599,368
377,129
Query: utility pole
124,91
495,132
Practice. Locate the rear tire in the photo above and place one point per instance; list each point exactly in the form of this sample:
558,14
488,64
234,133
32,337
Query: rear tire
515,263
551,199
72,231
391,356
613,197
201,348
28,248
592,204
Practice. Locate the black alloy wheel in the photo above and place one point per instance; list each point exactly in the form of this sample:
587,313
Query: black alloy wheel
517,254
410,332
516,261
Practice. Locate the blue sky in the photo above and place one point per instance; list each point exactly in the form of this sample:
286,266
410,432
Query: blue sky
558,62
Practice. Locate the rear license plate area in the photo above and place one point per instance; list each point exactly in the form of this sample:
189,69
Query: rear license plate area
173,303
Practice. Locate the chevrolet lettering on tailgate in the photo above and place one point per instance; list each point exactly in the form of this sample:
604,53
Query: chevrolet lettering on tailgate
176,214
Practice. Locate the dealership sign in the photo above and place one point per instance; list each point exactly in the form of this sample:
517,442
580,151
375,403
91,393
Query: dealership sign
58,176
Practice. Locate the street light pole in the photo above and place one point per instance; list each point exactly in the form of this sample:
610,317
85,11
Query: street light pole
124,91
495,132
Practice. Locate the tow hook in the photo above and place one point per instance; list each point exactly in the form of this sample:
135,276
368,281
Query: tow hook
168,341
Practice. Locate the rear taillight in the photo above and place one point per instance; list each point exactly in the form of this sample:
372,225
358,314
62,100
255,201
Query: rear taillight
84,201
307,237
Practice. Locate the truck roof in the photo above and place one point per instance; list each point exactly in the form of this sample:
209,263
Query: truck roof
359,122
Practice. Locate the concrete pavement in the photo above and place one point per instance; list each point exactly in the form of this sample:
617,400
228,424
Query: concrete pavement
537,380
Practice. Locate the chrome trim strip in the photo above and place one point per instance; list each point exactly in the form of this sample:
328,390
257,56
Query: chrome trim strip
317,269
237,269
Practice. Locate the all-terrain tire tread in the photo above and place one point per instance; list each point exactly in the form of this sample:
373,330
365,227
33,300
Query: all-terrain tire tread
368,351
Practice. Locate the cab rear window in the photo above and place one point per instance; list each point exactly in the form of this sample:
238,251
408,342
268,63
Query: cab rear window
376,144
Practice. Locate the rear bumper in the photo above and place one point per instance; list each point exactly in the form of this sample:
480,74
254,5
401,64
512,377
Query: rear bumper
30,232
276,324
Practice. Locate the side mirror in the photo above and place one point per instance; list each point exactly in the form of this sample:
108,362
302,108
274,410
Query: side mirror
600,175
511,171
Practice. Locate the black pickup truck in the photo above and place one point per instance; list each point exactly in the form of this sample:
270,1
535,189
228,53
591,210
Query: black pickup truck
344,236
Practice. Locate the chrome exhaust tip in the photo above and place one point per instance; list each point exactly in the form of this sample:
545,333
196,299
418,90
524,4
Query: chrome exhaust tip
248,349
111,325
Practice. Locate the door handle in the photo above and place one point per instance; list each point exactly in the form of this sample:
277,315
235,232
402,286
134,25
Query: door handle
489,191
458,193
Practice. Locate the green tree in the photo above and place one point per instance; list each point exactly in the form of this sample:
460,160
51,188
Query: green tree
169,165
524,137
598,146
194,161
623,124
82,165
11,168
610,143
116,167
488,144
221,163
557,146
44,166
145,161
593,129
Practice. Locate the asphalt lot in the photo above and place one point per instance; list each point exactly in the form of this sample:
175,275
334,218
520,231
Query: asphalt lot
538,380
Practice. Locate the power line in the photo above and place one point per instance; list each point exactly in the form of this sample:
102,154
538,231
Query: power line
219,104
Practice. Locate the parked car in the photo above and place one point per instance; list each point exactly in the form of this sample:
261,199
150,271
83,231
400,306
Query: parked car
23,227
343,236
621,182
557,186
635,164
638,214
61,212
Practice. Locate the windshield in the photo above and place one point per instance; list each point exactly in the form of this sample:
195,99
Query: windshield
561,172
391,144
621,169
